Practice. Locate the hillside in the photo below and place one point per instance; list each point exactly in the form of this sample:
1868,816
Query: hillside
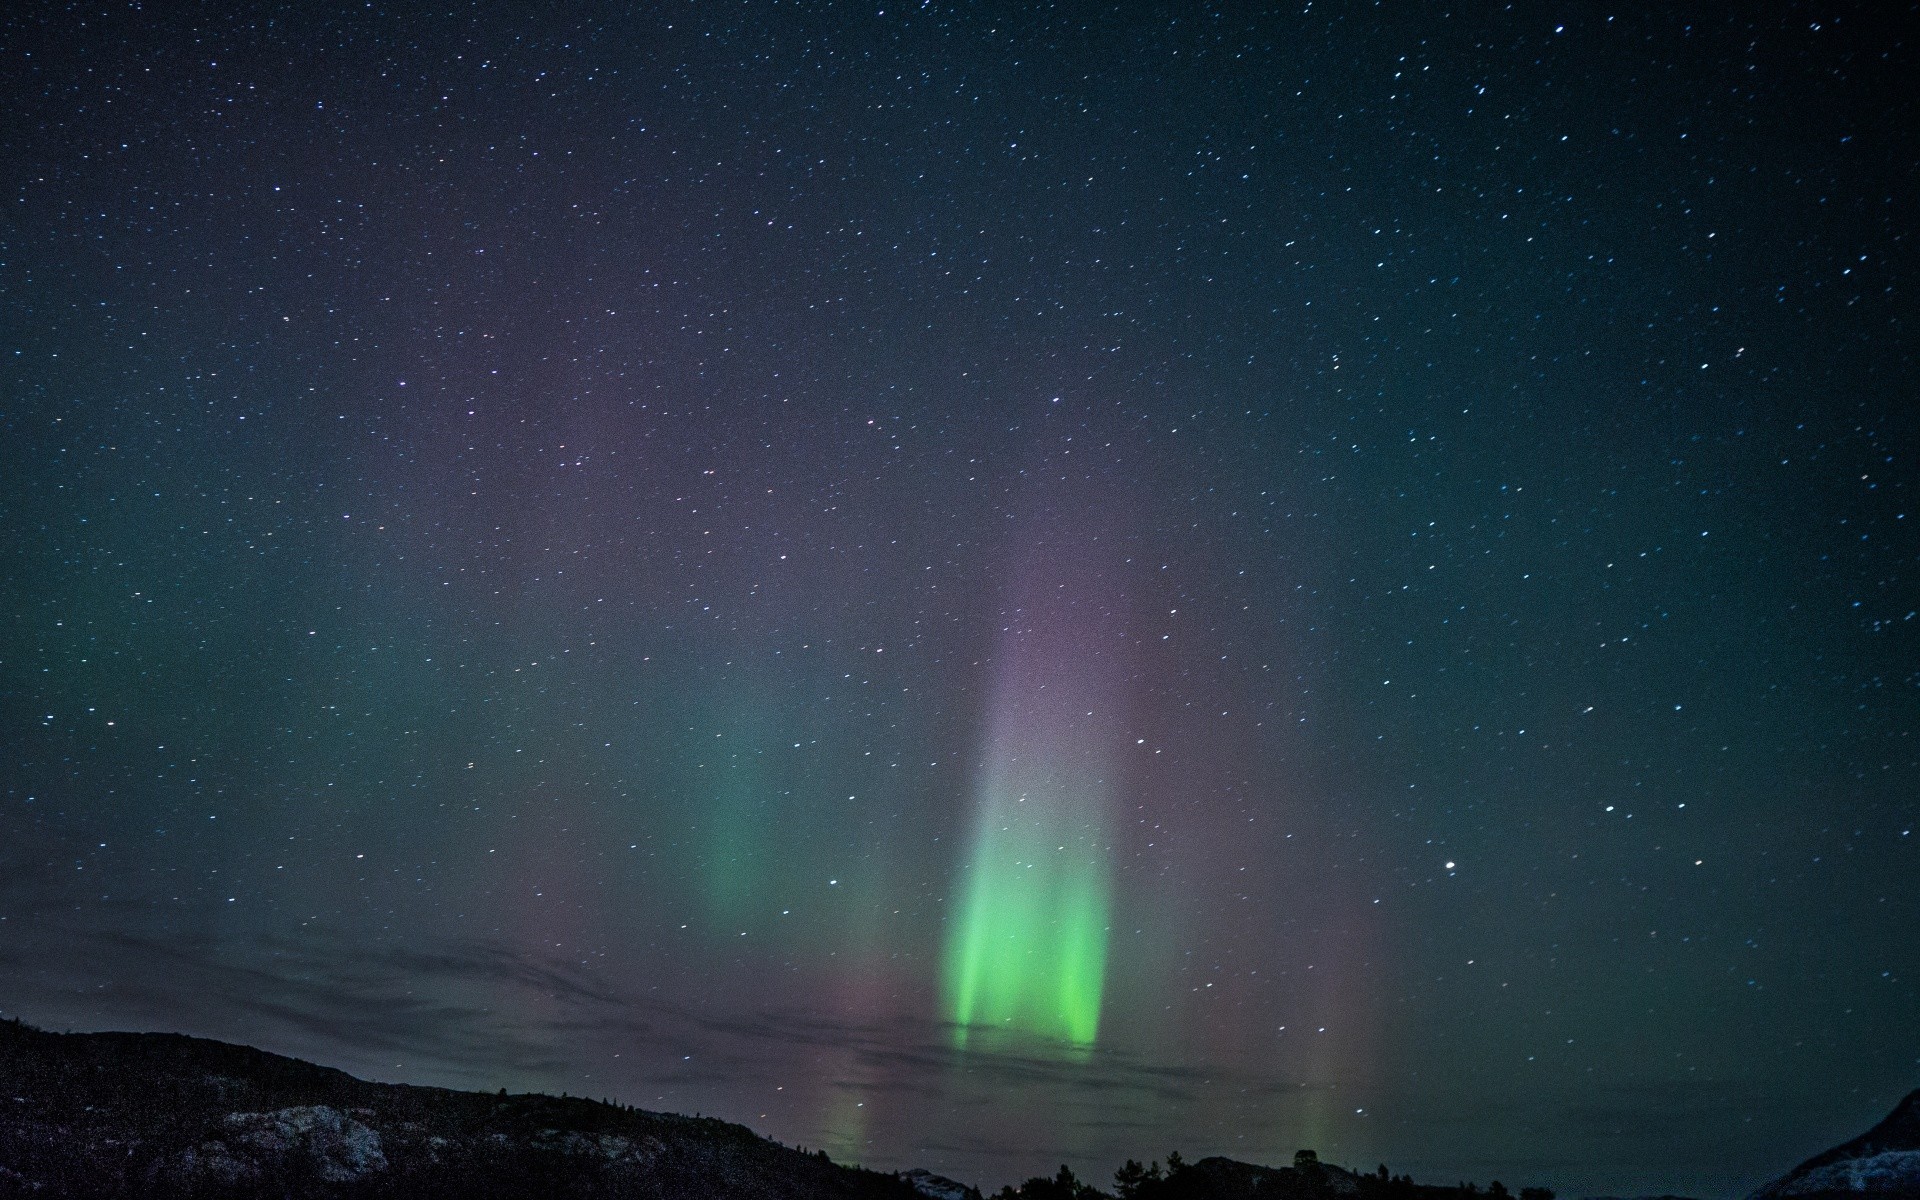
1881,1164
161,1115
168,1116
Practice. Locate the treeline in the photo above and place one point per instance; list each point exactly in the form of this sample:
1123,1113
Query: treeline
1226,1179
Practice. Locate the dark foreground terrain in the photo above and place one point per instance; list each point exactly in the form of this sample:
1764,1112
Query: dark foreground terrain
160,1115
1881,1164
1228,1179
163,1116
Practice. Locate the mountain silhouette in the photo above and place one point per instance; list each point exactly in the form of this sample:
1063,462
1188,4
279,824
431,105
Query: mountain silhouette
1881,1164
163,1115
168,1117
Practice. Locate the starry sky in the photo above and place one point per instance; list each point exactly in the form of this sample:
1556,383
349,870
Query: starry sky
981,585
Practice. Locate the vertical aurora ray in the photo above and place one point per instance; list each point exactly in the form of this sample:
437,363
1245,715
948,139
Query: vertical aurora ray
1031,948
1027,945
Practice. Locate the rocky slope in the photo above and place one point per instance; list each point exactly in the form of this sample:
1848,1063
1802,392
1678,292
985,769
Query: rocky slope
1881,1164
159,1115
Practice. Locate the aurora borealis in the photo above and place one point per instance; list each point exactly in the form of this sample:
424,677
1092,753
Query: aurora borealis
1028,947
981,586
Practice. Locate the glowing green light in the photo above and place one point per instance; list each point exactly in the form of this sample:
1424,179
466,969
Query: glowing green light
734,850
844,1130
1026,946
1029,950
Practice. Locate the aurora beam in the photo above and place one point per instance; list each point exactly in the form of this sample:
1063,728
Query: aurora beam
1027,945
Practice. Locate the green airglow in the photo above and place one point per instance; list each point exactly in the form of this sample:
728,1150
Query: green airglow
844,1127
737,819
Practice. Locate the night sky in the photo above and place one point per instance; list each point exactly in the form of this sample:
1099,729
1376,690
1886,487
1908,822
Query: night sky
979,585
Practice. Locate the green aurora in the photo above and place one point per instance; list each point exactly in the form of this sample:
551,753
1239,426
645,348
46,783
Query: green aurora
1027,946
1030,950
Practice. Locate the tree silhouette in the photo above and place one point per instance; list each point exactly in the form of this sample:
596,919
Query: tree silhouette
1063,1186
1134,1181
